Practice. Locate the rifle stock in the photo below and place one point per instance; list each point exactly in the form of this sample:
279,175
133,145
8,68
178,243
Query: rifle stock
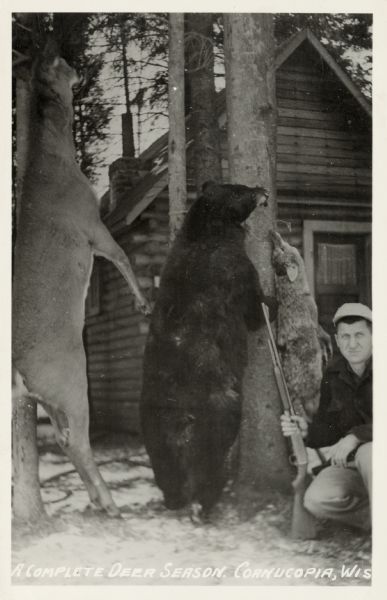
303,523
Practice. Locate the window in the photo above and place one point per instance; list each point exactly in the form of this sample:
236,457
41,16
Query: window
336,264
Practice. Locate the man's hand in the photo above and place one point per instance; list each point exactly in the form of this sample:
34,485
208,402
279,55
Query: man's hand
295,424
340,451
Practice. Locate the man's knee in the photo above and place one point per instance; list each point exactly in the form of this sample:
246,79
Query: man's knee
363,462
312,501
315,500
324,497
363,458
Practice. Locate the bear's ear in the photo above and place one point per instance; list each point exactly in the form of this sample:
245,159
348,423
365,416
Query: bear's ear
210,189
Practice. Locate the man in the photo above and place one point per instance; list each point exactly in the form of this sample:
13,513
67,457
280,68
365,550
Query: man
342,490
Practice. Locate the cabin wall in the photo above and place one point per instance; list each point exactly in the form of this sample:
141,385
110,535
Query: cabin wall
115,336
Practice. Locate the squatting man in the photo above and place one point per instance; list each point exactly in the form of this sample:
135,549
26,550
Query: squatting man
342,490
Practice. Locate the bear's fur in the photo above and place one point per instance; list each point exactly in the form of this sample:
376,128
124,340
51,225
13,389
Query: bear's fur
196,350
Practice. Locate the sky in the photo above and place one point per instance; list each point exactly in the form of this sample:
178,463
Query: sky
150,130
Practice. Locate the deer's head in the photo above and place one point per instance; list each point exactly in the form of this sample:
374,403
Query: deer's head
53,78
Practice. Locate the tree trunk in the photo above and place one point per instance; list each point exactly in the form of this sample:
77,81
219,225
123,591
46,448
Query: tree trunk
176,145
203,123
251,122
27,501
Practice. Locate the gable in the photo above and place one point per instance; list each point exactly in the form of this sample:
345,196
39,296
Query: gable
323,134
306,42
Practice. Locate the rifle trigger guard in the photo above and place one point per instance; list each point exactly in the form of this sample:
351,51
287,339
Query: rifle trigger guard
293,460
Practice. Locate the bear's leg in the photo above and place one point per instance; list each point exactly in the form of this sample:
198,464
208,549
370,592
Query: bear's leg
158,427
210,495
222,427
169,479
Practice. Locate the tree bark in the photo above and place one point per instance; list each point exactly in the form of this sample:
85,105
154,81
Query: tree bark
201,85
27,501
251,122
176,144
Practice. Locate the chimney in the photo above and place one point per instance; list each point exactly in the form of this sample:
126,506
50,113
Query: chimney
127,135
124,174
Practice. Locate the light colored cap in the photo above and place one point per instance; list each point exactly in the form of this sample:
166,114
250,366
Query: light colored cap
353,309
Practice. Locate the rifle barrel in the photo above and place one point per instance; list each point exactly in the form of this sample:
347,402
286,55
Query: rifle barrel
303,523
281,381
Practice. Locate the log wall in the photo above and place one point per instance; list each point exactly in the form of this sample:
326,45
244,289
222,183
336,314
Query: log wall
115,337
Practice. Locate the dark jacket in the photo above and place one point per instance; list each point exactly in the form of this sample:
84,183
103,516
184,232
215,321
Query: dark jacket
345,406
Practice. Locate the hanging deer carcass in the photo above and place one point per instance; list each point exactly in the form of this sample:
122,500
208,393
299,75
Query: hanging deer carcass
59,232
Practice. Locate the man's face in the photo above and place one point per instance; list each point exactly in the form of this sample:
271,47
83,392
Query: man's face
354,341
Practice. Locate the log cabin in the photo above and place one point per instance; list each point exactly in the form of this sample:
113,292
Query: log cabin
324,155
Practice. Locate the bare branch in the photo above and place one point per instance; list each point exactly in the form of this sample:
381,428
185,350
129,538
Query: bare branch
19,58
199,51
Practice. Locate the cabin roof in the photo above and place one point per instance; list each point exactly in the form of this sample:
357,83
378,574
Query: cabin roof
143,194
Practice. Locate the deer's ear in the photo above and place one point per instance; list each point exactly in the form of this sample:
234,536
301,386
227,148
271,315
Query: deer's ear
22,71
51,50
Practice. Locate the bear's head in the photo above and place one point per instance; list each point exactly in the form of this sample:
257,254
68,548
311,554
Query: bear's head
221,205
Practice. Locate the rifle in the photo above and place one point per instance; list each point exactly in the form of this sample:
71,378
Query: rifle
303,523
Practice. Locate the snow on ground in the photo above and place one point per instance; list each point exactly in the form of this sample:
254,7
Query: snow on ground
153,546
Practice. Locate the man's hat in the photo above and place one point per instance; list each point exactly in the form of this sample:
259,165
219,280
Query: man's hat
353,309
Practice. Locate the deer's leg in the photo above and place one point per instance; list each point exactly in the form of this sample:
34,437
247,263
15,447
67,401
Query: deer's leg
63,390
71,427
59,423
104,245
61,428
78,445
79,452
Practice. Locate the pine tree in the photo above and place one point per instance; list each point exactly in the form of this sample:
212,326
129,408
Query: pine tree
74,34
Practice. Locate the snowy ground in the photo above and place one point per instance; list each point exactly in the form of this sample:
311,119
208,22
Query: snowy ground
153,546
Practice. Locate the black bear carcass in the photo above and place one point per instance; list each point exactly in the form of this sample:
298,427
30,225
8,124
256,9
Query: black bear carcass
196,350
